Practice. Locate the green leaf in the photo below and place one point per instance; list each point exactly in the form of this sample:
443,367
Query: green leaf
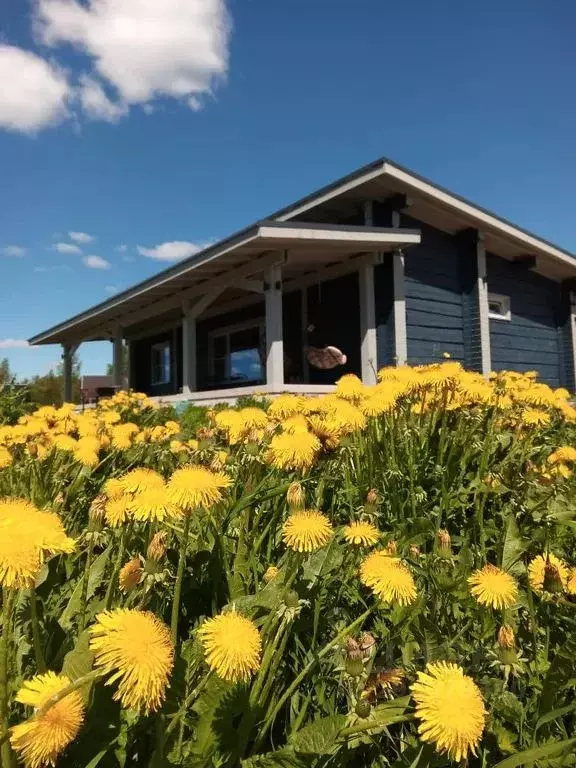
94,580
556,713
79,662
555,749
320,737
281,758
513,548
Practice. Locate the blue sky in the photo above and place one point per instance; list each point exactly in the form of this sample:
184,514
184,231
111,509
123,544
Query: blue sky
154,128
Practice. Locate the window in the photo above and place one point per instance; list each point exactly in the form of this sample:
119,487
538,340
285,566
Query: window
161,368
236,355
499,307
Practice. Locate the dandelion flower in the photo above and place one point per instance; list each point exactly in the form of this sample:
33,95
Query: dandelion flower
20,559
253,418
537,572
130,574
40,740
306,530
270,574
285,406
532,417
350,387
196,487
294,450
113,487
563,454
118,511
359,533
388,578
232,646
491,586
134,648
450,708
141,479
5,457
153,504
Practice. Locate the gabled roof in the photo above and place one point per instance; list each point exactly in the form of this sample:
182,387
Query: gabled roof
379,180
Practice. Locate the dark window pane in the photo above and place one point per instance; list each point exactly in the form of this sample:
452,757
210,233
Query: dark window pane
219,348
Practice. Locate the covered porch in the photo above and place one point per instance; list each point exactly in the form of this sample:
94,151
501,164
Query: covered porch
239,317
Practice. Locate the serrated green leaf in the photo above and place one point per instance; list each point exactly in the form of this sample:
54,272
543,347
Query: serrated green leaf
513,548
318,738
79,662
94,580
555,749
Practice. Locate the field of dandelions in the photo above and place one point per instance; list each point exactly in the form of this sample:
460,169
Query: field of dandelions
384,576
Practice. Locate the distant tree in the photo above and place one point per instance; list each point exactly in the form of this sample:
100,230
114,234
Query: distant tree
49,389
124,363
6,375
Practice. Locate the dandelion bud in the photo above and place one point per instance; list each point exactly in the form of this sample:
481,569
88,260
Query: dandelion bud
157,547
392,548
292,599
354,667
363,708
130,574
271,573
552,579
367,643
414,552
444,543
372,497
295,496
353,650
506,637
204,433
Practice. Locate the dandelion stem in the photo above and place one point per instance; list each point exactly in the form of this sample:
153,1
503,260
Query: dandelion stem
85,581
179,579
6,752
73,686
116,572
36,637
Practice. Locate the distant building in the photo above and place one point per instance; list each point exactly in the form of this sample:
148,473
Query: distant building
92,388
383,265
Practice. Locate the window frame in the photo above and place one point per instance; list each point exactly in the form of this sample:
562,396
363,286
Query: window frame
167,378
504,301
227,331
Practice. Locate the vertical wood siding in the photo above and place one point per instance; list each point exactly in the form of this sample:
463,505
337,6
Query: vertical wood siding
141,370
532,339
434,304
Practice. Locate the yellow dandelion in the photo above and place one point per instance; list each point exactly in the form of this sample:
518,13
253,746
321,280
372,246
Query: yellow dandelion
130,574
563,454
350,387
327,430
253,418
491,586
270,574
141,479
195,487
118,511
134,648
450,708
232,646
306,530
388,578
294,450
285,406
20,559
153,504
40,740
571,582
540,580
361,533
5,457
113,488
533,417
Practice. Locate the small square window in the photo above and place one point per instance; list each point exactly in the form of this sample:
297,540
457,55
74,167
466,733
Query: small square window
499,307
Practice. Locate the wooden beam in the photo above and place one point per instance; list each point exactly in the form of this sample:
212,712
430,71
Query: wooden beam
528,261
274,330
482,293
253,286
397,203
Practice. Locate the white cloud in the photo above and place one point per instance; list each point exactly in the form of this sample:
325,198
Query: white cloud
96,103
111,289
96,262
13,250
141,49
172,251
122,248
13,344
34,92
66,248
81,237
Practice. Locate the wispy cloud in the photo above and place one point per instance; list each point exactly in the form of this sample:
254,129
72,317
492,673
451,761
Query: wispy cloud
176,250
111,289
81,237
13,344
96,262
122,248
16,251
66,248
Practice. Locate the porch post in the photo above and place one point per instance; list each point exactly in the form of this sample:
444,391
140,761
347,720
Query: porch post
67,357
400,336
274,334
189,382
117,359
482,292
368,340
128,364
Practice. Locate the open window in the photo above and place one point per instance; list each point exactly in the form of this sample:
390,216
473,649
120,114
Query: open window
161,368
236,355
499,307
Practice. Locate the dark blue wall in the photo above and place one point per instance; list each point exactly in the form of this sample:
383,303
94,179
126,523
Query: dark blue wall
532,339
433,286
